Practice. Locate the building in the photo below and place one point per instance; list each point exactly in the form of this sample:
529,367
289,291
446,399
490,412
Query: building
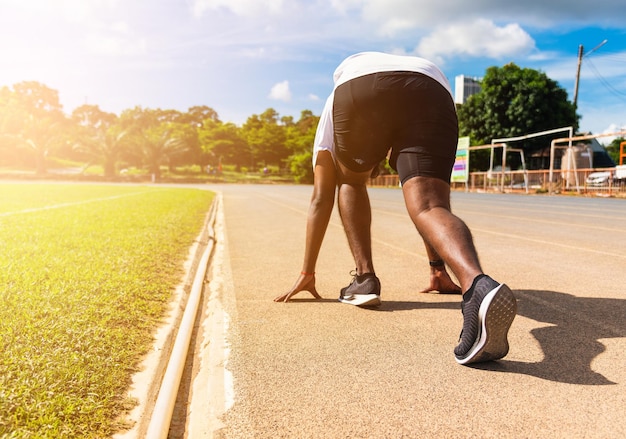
464,87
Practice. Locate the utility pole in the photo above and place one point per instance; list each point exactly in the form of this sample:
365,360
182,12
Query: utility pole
580,61
581,54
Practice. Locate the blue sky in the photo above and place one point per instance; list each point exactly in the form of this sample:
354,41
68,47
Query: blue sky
241,57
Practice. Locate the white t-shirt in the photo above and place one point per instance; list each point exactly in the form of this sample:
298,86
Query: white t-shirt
361,64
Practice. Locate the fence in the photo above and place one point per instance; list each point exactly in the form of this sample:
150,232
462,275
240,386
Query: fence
530,182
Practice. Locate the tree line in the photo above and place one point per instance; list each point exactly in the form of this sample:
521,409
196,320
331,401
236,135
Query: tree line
513,101
33,128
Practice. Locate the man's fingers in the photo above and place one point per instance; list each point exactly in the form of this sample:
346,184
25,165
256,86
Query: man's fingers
300,286
315,293
285,297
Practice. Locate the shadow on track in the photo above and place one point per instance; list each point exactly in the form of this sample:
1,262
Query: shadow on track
570,345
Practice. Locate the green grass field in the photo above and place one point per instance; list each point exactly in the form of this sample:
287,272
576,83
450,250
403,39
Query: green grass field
86,273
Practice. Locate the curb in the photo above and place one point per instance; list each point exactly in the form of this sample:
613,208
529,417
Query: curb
147,383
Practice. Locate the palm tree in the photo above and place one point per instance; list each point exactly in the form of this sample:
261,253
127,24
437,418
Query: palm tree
159,147
105,147
40,135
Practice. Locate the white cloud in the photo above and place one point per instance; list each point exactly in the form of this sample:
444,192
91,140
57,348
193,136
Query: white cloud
115,39
115,45
74,11
238,7
602,118
121,27
342,6
395,17
281,92
393,26
478,38
605,65
305,39
388,14
612,128
609,67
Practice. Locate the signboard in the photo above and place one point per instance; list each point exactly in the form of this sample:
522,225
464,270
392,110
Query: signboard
460,171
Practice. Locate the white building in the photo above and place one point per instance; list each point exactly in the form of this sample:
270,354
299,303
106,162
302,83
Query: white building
464,87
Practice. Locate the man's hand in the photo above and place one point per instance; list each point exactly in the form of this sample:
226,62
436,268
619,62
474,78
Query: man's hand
306,282
440,281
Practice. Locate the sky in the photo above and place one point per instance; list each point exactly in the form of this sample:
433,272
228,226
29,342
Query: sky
241,57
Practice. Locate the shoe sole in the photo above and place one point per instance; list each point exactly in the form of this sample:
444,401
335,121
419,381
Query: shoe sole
361,300
495,317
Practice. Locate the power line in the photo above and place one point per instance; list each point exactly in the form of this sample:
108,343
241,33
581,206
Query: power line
621,57
604,81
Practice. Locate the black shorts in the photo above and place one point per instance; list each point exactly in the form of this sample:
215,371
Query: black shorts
407,112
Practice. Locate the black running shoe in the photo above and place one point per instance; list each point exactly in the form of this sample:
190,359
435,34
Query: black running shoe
364,290
488,312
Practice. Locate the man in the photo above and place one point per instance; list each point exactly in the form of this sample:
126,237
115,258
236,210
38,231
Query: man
402,104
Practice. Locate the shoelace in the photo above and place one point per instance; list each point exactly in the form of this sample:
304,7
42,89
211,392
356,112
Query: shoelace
354,274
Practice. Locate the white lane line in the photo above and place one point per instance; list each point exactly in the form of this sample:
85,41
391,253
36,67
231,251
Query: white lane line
548,243
76,203
508,235
516,218
543,221
339,225
523,238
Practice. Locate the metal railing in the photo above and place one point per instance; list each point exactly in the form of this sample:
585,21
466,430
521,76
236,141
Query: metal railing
529,182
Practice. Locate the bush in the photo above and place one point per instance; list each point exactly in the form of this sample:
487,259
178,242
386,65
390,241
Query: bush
301,167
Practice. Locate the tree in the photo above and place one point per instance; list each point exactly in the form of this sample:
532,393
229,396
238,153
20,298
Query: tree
98,137
171,132
196,118
92,117
266,138
39,99
515,101
159,146
613,149
301,134
6,131
41,136
198,114
32,119
301,167
300,138
106,146
223,143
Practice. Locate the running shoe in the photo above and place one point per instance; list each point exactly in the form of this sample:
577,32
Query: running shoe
488,312
364,290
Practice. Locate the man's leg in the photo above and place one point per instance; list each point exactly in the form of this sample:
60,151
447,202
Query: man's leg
356,216
488,306
428,203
